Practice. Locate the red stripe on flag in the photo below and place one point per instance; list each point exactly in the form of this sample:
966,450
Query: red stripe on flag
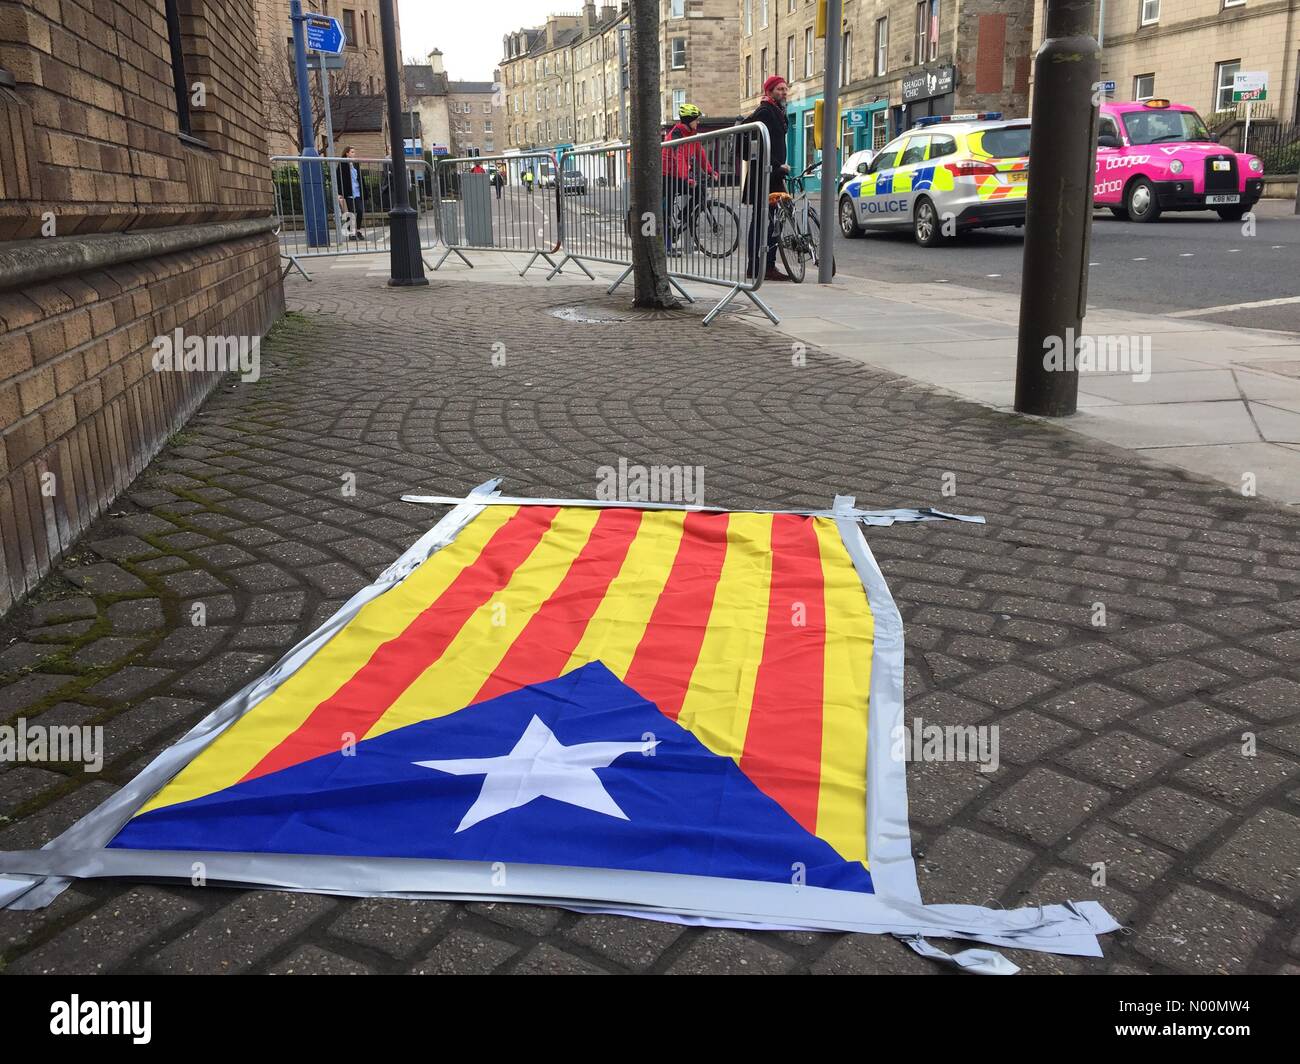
551,635
373,688
665,658
783,746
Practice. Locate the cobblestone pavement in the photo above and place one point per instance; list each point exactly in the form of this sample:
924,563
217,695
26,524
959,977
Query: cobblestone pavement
1119,744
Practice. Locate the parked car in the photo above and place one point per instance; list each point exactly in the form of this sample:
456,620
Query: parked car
574,183
944,176
1155,156
856,164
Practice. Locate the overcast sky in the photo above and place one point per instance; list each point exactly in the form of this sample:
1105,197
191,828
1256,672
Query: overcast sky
469,33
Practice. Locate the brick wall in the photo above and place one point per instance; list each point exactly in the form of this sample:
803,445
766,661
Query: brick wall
94,168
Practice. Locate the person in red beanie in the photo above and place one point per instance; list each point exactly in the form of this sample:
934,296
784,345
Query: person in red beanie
771,112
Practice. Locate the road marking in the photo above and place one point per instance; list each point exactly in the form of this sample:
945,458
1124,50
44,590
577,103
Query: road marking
1141,258
1233,251
1235,306
1187,254
1094,264
993,275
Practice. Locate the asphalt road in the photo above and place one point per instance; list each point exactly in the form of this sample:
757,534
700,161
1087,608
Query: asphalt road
1181,262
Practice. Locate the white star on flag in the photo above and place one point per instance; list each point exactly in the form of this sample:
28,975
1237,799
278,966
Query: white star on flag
540,766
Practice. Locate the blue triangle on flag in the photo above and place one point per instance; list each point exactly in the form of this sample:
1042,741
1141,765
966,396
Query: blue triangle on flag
672,807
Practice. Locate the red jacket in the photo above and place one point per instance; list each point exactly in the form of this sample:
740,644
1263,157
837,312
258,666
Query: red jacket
677,162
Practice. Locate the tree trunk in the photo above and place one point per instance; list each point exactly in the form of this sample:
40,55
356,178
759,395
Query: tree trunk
645,220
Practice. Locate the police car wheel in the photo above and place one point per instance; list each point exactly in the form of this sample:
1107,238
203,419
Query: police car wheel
926,226
848,222
1141,201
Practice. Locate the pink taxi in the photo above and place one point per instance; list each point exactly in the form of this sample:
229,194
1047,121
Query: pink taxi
1157,156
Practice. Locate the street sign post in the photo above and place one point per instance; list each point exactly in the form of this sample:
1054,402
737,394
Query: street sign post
311,179
324,34
1249,86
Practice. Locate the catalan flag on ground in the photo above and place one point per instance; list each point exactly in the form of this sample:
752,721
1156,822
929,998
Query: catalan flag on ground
682,713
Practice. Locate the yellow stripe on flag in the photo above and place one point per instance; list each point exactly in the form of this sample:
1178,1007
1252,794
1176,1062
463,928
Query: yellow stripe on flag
234,754
721,692
850,628
450,683
616,628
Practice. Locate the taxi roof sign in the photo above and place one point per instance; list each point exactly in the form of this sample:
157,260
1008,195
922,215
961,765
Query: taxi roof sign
1157,102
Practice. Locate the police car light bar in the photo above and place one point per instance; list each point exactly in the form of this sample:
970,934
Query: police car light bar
982,116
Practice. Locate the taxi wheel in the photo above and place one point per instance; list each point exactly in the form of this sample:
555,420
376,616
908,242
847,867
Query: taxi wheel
1120,213
926,226
1141,201
848,223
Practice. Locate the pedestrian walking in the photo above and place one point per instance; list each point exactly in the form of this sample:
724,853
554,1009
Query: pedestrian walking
498,178
351,198
528,180
771,112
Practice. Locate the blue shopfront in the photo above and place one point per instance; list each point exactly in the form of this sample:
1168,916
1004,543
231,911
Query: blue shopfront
860,127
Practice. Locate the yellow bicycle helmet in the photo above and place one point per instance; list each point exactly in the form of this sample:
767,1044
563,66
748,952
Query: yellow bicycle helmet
687,111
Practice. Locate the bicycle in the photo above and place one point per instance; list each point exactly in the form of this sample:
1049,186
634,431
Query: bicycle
714,226
797,228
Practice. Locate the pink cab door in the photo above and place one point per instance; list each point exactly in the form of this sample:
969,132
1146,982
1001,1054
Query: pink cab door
1109,185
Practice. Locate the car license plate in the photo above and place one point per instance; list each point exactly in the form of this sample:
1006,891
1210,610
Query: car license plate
1017,177
1221,164
1223,199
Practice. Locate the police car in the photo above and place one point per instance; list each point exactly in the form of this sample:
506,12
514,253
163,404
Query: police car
944,176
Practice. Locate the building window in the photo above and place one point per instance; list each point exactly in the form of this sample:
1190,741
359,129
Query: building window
809,55
180,83
679,98
789,59
1144,87
350,27
679,53
1150,12
922,29
749,17
762,64
882,45
487,107
763,10
1233,3
809,149
846,58
1223,75
354,88
749,76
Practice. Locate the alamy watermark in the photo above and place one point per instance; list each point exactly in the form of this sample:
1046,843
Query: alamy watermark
946,742
52,743
628,482
1099,354
178,353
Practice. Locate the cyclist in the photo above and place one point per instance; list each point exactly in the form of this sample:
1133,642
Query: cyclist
679,166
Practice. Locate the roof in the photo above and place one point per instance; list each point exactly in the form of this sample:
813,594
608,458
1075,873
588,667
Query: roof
422,81
357,112
470,86
1125,106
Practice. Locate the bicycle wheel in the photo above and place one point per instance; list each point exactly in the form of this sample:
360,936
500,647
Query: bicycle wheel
815,238
790,243
716,229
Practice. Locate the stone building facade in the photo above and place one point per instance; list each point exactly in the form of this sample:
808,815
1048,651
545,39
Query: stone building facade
1188,50
902,60
135,200
566,82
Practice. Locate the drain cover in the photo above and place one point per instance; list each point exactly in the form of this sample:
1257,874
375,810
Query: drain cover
589,315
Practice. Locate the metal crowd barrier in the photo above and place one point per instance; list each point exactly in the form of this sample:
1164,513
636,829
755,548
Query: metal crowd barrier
349,216
499,203
712,232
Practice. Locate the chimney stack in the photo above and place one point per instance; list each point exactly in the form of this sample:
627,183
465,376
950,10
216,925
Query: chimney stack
435,61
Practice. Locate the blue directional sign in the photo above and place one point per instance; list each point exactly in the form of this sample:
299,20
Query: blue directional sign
1108,86
324,34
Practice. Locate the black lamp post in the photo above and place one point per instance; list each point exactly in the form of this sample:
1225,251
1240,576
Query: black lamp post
406,266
